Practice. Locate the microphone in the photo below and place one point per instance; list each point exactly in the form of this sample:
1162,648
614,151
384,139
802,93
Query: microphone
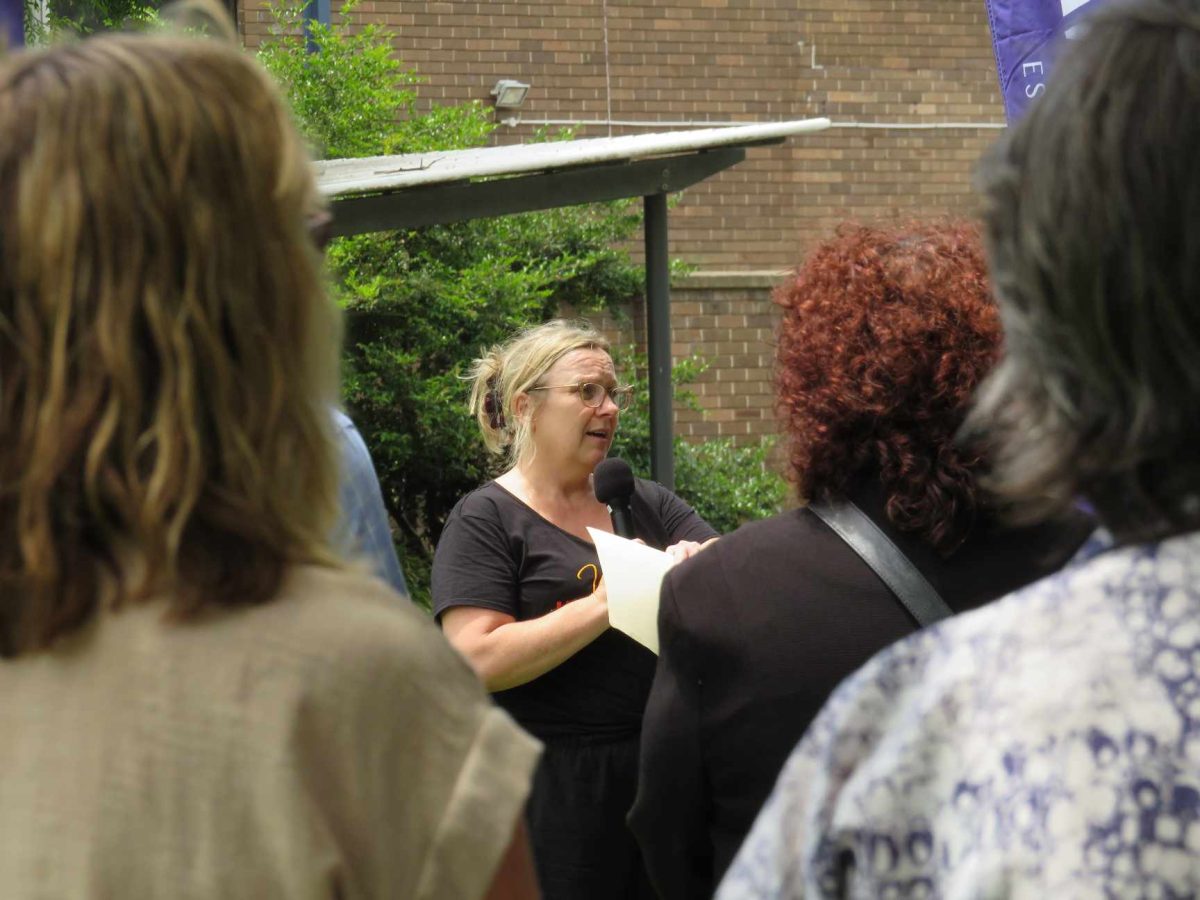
613,485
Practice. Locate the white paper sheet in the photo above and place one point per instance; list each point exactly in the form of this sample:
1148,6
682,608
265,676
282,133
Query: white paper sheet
633,574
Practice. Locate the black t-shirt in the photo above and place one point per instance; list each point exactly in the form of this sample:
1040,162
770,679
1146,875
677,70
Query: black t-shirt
497,553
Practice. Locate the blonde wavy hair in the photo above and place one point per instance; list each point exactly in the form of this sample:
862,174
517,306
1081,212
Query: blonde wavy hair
168,351
510,369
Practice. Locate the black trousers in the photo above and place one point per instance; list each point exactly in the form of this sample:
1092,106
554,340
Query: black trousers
583,850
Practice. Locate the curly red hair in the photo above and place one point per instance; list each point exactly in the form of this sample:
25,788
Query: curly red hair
886,333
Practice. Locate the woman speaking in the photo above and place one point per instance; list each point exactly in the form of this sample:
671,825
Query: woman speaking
519,591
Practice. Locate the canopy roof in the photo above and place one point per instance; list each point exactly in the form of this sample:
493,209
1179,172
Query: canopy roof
408,191
381,193
343,177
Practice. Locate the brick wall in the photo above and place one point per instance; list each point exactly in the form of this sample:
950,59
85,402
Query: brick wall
728,321
922,62
898,62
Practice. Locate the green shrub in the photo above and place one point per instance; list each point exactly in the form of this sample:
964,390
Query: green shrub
84,16
422,304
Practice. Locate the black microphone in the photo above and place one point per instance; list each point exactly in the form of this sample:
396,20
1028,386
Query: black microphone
613,485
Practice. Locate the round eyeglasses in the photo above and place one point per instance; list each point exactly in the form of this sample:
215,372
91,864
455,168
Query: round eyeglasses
592,394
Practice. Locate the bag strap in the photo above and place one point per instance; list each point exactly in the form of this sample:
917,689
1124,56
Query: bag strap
905,580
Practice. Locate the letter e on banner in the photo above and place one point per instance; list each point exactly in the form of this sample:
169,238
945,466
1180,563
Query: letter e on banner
1026,35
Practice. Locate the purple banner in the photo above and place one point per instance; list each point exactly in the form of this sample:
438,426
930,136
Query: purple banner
12,23
1027,35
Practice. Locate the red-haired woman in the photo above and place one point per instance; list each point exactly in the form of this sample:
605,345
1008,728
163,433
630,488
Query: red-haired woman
885,335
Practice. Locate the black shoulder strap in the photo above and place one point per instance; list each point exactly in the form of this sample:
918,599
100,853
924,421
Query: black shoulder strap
896,570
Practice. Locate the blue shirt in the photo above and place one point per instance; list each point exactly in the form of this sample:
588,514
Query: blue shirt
363,524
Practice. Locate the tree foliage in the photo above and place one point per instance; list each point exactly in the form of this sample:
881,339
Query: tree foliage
84,16
422,304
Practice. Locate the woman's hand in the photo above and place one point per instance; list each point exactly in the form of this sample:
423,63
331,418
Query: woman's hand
686,549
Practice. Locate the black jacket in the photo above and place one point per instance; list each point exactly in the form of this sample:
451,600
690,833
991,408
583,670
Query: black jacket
755,634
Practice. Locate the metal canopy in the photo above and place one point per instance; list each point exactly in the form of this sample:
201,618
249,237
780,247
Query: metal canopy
388,192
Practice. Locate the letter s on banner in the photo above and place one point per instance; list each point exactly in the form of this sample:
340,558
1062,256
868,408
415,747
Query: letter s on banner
1026,35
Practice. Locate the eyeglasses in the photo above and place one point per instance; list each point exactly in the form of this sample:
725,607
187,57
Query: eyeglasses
593,394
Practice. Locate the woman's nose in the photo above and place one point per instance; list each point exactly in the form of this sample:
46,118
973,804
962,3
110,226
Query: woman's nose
608,404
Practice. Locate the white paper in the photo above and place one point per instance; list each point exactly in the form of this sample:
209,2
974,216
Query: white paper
633,574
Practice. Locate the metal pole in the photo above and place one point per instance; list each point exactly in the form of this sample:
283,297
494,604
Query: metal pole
658,340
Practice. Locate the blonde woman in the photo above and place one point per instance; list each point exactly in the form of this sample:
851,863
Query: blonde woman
519,590
199,699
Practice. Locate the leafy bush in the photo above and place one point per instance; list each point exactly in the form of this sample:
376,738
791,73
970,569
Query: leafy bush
422,304
727,484
352,97
83,16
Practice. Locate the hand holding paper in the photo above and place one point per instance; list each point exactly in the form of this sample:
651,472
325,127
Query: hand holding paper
633,574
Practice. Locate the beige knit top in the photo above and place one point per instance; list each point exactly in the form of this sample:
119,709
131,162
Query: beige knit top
327,744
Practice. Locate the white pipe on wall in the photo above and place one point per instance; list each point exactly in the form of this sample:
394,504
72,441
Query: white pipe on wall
641,123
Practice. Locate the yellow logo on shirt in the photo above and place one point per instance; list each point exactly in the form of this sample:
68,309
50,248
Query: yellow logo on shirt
579,577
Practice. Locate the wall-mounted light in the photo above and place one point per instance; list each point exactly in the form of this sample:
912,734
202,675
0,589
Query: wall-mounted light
510,93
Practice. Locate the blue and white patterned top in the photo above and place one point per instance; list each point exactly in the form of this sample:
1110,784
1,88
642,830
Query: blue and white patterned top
1047,745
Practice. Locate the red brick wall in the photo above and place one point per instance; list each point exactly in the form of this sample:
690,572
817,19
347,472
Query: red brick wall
729,322
876,61
924,62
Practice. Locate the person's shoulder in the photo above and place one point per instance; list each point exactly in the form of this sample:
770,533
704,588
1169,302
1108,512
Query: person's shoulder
488,501
672,512
647,487
788,531
349,624
350,440
781,530
757,543
1076,674
1096,582
1064,629
715,577
653,494
346,604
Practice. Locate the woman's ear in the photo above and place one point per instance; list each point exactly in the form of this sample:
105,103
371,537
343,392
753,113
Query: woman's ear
522,406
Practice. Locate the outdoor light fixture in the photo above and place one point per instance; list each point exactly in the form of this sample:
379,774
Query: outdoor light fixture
510,93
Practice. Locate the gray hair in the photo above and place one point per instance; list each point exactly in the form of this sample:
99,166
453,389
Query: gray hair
1093,229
